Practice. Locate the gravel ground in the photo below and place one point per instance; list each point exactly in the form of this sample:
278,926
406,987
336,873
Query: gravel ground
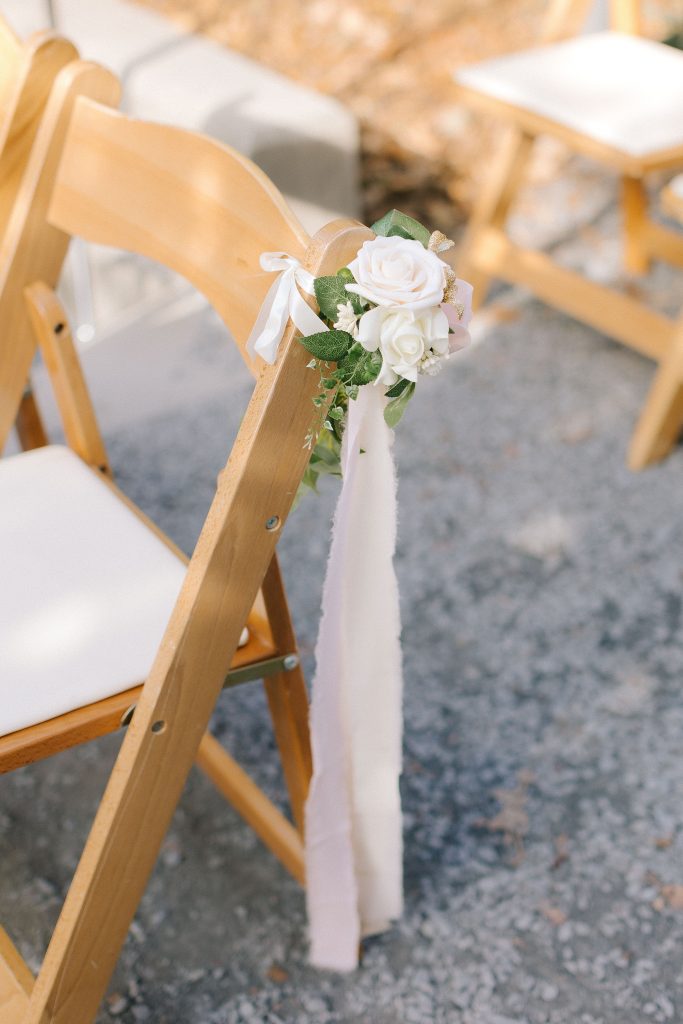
541,592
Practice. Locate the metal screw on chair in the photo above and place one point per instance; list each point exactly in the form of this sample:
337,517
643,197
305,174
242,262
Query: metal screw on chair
290,661
272,523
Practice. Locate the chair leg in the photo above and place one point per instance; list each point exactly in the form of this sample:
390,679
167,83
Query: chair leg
29,423
634,209
288,699
661,419
493,206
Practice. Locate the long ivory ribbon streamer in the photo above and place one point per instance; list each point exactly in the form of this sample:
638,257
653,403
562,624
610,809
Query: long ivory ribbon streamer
283,301
354,847
354,878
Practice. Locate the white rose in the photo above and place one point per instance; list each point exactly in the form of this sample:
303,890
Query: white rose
398,272
404,338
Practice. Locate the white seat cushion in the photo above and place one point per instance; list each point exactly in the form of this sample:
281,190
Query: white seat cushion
86,589
620,90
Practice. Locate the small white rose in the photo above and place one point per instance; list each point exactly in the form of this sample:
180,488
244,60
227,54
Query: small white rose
398,272
404,339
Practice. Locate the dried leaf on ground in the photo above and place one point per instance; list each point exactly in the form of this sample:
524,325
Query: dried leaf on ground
512,819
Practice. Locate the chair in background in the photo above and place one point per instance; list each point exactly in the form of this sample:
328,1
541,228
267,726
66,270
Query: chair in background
71,541
615,98
27,72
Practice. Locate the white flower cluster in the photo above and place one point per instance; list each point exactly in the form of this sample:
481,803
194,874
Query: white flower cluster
413,321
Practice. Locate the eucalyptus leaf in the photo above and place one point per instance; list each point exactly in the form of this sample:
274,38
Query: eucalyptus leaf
394,409
328,345
396,223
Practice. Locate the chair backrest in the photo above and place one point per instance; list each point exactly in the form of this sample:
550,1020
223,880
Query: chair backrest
179,198
27,73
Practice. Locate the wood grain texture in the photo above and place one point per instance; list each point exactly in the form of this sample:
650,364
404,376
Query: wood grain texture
32,249
178,198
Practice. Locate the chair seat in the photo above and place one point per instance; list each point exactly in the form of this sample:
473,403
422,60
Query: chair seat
619,90
86,588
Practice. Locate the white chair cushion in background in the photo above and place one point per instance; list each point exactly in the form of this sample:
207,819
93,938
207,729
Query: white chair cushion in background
621,90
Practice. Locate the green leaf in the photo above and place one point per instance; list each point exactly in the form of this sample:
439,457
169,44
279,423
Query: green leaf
356,301
328,345
330,292
395,409
367,368
397,389
397,223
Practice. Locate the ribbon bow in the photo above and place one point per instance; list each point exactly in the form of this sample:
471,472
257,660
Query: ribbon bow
282,302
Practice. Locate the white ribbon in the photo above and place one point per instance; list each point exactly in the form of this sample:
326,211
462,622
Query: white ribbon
354,874
283,301
354,879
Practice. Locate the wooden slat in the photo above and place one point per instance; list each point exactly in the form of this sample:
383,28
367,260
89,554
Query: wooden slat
634,207
563,19
32,78
226,571
53,332
29,424
287,699
494,200
186,219
616,315
16,982
672,202
625,16
664,244
258,811
660,422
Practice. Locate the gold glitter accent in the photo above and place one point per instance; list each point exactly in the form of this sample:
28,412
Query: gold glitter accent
439,243
451,289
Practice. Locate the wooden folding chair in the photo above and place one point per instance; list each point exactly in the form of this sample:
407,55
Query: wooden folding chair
615,98
207,213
